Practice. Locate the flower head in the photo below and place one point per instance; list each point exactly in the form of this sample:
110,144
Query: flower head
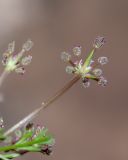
87,69
77,50
65,56
99,42
103,60
16,62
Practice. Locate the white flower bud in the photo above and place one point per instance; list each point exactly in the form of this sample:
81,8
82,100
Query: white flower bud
11,47
69,69
20,70
26,60
99,42
103,82
97,72
28,45
65,56
103,60
86,84
77,50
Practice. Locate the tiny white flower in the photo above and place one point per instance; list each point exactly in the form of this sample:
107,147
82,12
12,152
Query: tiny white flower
69,69
26,60
103,82
20,70
11,47
99,42
27,45
65,56
77,50
97,72
86,84
103,60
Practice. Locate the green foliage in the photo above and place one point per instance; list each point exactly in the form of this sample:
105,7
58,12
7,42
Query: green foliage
32,139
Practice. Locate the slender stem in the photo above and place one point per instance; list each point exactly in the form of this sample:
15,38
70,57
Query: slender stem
72,63
44,105
3,76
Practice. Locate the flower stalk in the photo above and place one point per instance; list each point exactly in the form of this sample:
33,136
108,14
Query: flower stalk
3,77
44,105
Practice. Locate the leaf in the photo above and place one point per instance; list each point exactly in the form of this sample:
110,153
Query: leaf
42,132
2,137
2,157
51,141
11,155
29,148
47,140
24,138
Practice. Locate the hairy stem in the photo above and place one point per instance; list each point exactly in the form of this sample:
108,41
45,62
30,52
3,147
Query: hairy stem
44,105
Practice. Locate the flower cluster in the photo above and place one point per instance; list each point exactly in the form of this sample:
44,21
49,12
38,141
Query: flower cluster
87,70
17,62
27,139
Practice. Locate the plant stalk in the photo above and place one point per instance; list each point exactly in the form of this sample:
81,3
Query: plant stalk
3,76
44,105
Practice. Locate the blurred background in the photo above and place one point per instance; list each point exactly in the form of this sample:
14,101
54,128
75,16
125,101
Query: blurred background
88,123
